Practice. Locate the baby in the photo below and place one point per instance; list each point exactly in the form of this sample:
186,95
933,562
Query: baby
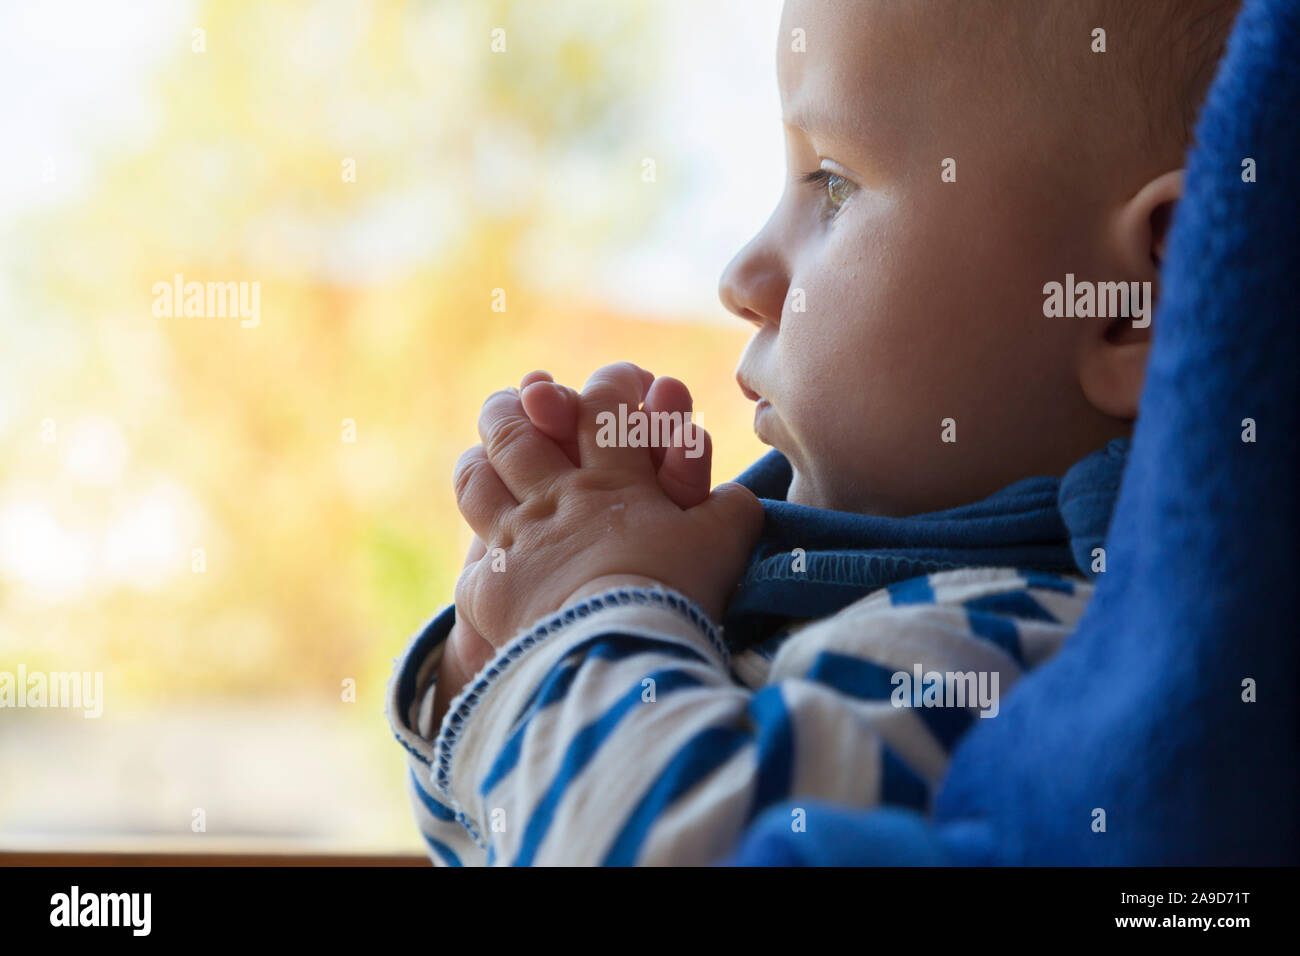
635,666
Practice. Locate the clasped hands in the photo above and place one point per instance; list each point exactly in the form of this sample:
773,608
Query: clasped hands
559,515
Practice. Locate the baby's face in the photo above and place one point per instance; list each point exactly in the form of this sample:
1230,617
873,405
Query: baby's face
887,300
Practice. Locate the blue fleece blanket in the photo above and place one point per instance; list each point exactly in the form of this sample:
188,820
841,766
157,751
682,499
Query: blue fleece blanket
1148,713
1041,524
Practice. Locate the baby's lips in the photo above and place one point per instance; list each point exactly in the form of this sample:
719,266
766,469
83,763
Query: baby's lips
749,393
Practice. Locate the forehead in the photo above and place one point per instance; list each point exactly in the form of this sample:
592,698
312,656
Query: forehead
844,67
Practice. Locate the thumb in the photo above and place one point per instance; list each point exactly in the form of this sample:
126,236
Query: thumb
737,510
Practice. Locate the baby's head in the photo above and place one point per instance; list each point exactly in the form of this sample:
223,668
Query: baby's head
947,159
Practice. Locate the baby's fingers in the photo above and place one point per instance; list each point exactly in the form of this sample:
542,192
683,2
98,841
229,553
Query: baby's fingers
481,496
540,375
684,464
684,475
553,410
609,403
524,458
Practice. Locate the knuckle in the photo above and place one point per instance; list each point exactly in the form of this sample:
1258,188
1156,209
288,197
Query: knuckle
539,507
612,382
468,468
476,551
502,432
500,399
499,403
602,392
622,370
594,482
464,592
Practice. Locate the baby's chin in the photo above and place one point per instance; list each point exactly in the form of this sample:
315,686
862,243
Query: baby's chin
826,494
801,492
816,487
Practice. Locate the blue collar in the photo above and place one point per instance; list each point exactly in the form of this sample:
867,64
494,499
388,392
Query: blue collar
1037,524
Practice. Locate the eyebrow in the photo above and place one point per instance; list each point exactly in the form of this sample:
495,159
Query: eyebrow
837,130
807,120
817,120
840,132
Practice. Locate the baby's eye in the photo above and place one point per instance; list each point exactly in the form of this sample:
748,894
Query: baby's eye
837,189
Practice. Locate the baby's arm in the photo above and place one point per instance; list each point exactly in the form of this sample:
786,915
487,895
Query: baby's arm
615,734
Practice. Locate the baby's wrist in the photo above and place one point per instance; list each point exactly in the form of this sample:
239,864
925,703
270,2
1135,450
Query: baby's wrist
453,672
610,582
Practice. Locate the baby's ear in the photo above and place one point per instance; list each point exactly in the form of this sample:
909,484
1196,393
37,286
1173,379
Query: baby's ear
1115,356
1142,226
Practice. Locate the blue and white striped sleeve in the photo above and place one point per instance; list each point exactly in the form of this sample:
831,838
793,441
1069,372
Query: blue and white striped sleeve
614,733
409,710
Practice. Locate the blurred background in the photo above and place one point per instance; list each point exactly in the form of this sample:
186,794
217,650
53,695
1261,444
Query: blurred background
235,524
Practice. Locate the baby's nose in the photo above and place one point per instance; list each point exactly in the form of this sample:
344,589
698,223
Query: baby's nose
753,286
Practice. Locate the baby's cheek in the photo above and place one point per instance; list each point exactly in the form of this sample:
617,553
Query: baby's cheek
826,403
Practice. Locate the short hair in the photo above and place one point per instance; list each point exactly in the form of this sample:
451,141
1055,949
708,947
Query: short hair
1159,61
1184,40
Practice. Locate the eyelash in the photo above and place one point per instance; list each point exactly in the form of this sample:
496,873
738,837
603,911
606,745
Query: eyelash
820,181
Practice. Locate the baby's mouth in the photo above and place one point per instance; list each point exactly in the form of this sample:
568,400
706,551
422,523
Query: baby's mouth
761,408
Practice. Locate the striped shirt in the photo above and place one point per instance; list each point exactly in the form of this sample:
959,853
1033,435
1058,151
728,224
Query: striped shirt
621,731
